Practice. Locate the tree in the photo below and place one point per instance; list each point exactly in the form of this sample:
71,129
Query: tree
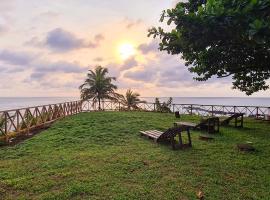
98,86
131,100
163,107
221,38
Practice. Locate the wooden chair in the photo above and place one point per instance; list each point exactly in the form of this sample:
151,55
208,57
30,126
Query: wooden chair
211,125
238,120
169,135
177,114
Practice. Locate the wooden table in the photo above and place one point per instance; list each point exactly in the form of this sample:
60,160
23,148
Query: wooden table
185,124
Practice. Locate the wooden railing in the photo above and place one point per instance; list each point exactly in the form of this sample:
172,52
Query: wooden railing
196,109
25,120
28,119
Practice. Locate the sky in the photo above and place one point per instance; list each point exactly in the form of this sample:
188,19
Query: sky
47,47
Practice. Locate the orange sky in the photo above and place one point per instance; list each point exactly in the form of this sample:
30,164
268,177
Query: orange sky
46,48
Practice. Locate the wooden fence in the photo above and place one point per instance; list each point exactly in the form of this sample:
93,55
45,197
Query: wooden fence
28,119
25,120
191,109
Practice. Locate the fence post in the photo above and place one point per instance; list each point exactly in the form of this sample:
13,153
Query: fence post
173,107
119,108
18,119
6,124
154,107
257,112
191,109
212,111
71,108
234,109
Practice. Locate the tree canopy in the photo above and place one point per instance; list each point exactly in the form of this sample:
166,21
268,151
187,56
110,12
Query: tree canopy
165,106
131,100
221,38
98,86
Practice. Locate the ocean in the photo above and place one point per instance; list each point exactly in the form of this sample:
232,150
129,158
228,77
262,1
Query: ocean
7,103
227,101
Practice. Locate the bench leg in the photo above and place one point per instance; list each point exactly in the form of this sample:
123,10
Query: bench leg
189,138
180,140
173,143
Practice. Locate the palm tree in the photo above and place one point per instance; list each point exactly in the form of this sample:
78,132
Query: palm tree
98,86
131,99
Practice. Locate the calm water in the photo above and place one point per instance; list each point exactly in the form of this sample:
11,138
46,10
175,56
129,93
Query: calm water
20,102
235,101
7,103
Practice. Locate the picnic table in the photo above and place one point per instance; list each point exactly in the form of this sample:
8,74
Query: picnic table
186,124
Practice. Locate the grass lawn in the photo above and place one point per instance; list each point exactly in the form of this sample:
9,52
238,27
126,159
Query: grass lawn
100,155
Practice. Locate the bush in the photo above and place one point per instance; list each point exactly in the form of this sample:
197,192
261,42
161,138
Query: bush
163,107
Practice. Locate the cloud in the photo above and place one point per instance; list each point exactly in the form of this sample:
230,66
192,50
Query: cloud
3,28
99,38
49,14
98,59
129,63
141,74
60,66
149,47
16,58
34,41
54,81
114,69
6,6
61,40
59,74
132,23
175,73
175,2
37,75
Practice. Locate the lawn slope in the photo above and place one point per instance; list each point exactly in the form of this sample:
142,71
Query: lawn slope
100,155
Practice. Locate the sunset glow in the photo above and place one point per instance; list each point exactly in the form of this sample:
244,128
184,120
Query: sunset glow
126,50
50,46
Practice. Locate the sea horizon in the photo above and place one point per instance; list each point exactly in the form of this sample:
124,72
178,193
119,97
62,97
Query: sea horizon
7,103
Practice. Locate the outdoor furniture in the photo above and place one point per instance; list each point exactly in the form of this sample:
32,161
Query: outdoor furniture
211,125
177,114
169,135
238,120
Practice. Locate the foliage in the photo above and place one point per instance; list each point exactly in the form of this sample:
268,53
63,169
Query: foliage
29,120
163,107
221,38
98,86
2,125
131,100
81,158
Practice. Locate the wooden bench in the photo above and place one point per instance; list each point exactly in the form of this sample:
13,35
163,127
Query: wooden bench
152,134
186,124
169,136
238,120
209,124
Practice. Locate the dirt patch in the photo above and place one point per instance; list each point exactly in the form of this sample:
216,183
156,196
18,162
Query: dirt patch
17,139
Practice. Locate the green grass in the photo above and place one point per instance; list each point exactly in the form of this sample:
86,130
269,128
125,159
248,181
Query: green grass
100,155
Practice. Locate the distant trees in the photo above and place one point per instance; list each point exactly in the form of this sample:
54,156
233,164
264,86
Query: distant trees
131,100
98,86
221,38
163,107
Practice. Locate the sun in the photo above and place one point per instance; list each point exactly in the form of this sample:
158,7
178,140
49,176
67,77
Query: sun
126,50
